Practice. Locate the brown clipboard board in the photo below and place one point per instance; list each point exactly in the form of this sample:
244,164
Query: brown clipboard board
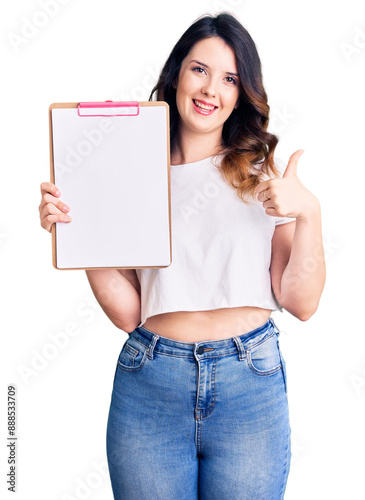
72,132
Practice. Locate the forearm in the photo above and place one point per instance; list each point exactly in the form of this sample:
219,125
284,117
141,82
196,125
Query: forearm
304,276
118,298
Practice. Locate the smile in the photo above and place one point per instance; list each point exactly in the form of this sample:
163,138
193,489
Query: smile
203,107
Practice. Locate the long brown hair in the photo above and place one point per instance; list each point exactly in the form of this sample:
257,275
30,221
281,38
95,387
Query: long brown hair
245,139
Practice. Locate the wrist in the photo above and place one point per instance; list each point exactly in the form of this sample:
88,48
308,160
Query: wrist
313,210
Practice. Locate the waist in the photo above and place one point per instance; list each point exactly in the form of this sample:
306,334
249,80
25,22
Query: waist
217,324
211,347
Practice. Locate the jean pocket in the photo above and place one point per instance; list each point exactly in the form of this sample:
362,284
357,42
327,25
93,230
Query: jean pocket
132,356
283,366
264,357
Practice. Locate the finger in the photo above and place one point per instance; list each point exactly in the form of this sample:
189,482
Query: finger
51,209
49,220
260,189
50,217
49,214
263,195
292,166
270,211
49,187
49,198
268,204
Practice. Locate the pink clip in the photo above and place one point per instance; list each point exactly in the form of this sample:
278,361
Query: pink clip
92,108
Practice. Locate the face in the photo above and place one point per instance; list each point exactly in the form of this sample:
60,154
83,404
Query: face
207,89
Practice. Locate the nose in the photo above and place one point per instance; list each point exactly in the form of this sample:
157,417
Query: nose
209,88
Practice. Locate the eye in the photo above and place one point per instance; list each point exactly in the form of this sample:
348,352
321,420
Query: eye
232,80
199,69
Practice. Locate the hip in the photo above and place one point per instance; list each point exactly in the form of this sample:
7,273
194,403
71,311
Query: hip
248,367
254,357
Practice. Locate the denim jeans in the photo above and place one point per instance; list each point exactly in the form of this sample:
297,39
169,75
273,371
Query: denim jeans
207,420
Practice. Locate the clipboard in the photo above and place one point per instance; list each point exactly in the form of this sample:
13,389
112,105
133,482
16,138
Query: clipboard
111,162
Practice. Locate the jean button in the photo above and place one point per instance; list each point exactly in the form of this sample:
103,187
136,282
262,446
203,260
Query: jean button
200,350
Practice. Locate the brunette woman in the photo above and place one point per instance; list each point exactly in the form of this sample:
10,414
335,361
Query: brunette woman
199,405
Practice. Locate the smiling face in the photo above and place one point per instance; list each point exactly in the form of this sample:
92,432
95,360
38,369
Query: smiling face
208,87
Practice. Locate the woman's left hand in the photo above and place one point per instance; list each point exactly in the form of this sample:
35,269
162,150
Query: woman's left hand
287,195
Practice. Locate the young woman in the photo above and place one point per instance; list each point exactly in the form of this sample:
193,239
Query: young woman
199,405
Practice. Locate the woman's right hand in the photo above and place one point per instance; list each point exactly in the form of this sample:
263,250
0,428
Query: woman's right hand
51,208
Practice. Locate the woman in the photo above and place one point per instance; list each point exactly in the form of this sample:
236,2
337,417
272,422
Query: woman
199,404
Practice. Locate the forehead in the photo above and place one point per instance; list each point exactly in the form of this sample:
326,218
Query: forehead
214,52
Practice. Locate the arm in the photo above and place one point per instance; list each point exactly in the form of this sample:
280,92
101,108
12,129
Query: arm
118,293
298,271
116,290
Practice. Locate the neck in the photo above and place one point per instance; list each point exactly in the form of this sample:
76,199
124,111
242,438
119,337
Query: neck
191,146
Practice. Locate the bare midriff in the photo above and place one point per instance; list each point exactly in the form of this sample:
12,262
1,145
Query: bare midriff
217,324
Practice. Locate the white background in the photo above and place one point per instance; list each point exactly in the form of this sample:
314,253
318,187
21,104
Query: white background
313,57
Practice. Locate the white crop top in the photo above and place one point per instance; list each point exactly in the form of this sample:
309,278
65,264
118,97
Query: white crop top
221,247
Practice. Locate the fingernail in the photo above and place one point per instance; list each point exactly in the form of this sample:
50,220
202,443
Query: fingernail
65,208
57,193
68,217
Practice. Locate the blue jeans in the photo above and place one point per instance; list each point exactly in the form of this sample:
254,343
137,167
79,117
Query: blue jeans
207,420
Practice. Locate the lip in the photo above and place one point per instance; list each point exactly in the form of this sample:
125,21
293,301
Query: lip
204,111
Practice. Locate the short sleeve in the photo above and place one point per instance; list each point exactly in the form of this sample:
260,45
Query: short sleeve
280,165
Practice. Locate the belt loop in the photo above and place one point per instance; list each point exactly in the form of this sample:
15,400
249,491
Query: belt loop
152,346
241,350
276,329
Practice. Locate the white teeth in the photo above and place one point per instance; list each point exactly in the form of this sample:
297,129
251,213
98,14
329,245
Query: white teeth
203,106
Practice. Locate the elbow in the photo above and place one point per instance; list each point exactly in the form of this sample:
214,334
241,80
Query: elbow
126,324
131,327
131,323
127,327
305,315
301,313
308,311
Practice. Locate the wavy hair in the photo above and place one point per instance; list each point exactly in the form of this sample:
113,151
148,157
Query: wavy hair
245,139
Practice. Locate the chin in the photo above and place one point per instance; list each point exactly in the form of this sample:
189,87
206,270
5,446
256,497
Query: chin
203,127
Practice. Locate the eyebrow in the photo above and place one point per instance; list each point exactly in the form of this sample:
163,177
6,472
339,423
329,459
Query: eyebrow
206,66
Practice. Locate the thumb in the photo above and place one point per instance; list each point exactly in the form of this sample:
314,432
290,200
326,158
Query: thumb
291,168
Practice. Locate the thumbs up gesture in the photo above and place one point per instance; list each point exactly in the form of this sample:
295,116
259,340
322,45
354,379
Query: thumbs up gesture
286,196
